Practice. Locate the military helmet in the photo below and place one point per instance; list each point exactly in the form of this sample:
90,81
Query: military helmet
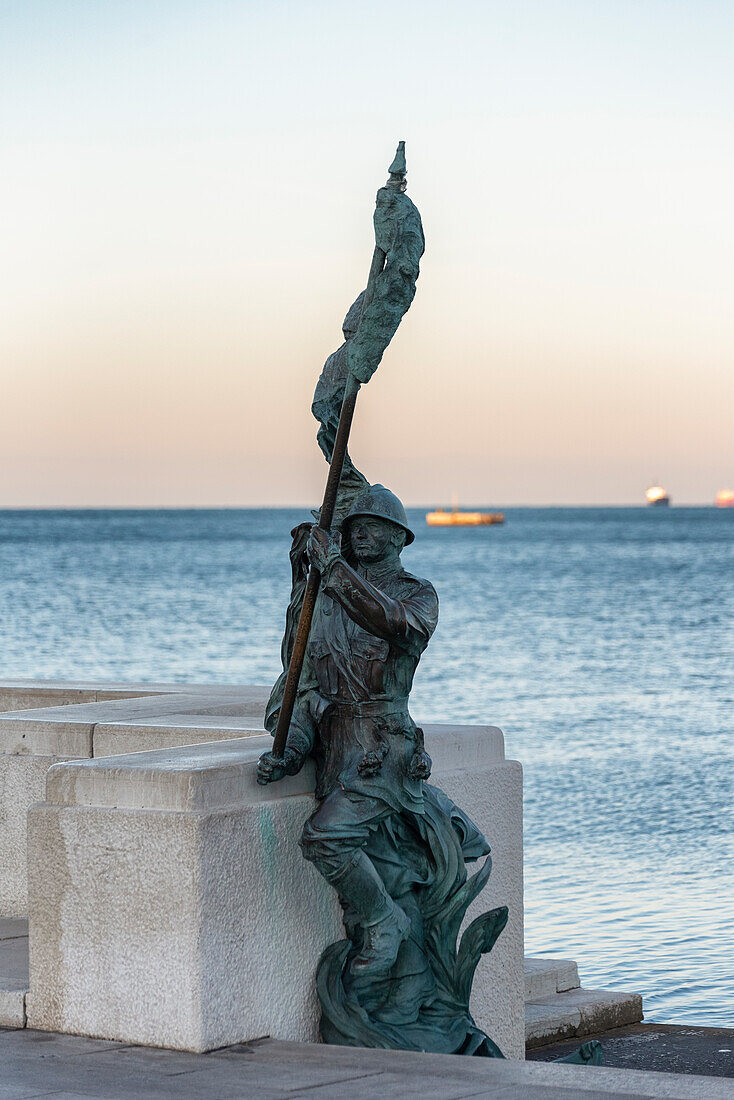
379,502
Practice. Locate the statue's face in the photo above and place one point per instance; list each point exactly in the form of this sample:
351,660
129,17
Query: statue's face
370,538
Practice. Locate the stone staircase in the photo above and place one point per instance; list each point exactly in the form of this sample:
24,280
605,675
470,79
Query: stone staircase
557,1007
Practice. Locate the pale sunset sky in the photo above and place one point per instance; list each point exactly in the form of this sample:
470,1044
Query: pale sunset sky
186,195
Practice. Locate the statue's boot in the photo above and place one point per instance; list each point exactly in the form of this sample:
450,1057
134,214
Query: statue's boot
381,944
385,925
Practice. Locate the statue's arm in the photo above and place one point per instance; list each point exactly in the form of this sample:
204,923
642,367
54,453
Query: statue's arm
408,623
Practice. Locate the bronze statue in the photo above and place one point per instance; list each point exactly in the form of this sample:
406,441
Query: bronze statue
394,847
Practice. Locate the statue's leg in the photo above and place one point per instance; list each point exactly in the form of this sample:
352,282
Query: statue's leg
333,840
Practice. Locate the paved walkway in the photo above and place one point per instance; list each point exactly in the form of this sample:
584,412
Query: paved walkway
667,1048
66,1067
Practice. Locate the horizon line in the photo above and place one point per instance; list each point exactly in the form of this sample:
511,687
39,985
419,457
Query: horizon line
308,507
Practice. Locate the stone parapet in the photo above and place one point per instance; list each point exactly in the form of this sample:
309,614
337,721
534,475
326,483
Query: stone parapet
51,721
170,904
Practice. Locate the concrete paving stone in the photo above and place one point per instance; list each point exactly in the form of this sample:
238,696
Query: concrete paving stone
11,927
389,1086
573,1081
53,1065
117,1080
52,1094
55,1095
39,1044
14,963
274,1080
23,1092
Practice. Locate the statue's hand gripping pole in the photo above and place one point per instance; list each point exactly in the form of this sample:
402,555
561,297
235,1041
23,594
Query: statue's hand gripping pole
326,517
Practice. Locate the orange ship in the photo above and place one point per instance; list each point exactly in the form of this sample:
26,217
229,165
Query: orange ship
443,518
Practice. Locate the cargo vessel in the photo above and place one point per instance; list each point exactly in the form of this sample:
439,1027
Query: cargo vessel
657,497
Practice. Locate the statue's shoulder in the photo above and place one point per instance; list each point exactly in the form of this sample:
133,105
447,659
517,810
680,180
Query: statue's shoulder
413,585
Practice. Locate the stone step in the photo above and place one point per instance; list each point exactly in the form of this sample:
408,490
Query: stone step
578,1012
13,972
544,977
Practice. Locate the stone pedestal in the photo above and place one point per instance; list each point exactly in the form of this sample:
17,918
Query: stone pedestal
170,904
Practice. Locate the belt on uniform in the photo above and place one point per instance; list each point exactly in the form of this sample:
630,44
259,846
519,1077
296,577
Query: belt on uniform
370,708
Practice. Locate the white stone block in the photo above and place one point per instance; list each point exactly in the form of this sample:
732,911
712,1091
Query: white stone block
12,1008
548,1021
170,903
13,973
579,1012
22,782
149,716
118,738
603,1009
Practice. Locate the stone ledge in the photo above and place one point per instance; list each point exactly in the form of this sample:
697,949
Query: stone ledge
67,730
23,694
176,731
577,1013
218,773
199,777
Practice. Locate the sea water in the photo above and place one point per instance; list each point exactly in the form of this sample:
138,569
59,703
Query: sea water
600,640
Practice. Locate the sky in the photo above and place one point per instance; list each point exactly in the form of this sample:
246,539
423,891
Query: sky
186,199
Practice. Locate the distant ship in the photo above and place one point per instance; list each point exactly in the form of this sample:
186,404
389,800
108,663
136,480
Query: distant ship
725,498
657,497
443,518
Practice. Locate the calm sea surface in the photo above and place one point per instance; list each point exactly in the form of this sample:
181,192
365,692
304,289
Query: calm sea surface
600,640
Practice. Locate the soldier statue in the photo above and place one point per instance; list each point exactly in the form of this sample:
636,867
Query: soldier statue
394,847
374,622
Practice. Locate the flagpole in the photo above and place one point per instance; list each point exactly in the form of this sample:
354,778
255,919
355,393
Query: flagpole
326,516
397,183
